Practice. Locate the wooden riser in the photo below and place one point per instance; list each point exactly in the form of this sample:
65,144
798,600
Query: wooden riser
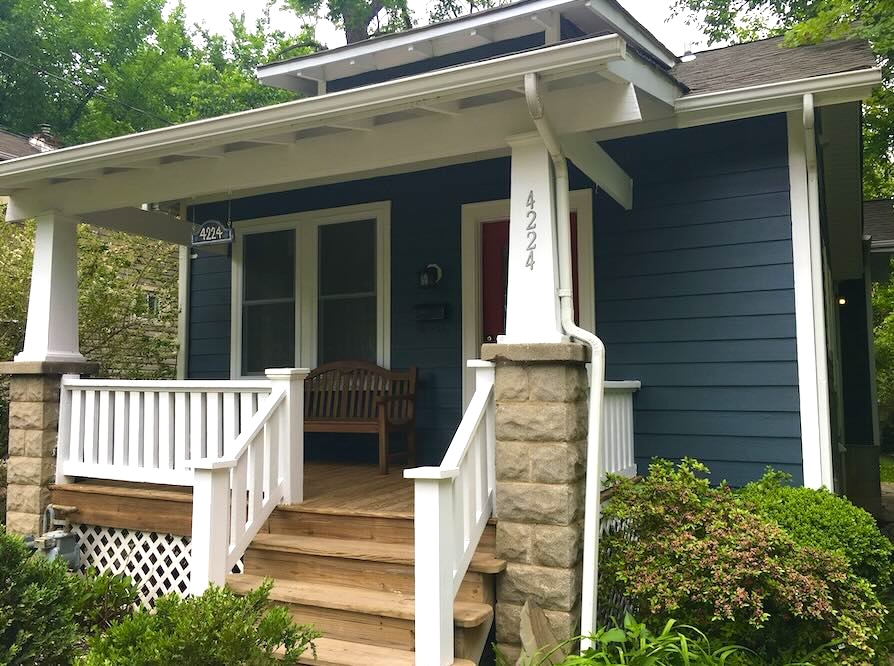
333,652
381,576
298,521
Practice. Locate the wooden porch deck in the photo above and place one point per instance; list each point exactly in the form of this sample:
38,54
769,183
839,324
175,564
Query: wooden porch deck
330,488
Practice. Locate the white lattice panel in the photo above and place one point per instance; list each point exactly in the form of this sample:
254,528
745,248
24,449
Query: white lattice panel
157,563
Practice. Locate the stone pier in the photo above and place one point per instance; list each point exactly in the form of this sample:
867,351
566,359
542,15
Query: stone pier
541,396
33,425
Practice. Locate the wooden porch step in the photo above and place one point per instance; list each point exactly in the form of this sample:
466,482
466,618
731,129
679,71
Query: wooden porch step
334,652
352,549
300,519
355,599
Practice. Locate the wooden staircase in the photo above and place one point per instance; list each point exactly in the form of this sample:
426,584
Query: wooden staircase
350,574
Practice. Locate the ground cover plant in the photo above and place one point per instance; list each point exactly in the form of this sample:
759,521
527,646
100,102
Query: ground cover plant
699,554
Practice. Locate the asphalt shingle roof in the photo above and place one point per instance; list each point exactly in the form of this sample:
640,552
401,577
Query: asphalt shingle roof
878,219
14,145
769,61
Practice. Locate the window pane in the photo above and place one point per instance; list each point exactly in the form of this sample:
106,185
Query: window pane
269,265
348,258
268,337
347,329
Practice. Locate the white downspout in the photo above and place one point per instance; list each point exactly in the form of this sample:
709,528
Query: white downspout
597,355
819,306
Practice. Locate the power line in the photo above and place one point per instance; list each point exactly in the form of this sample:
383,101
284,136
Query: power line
95,91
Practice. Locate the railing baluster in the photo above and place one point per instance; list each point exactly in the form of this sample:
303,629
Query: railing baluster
104,430
135,427
119,436
165,431
229,420
238,516
212,406
197,445
181,428
150,431
90,427
76,453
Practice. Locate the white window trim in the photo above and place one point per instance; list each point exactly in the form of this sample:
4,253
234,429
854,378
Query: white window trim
476,214
306,226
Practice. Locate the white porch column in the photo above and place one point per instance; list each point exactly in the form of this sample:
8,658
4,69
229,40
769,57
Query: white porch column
532,304
51,333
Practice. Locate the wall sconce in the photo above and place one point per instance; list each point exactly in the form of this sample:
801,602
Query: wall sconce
842,300
430,276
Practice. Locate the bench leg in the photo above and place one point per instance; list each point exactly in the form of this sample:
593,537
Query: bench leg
411,447
383,447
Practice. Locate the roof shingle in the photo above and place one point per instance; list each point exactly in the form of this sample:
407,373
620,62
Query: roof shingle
769,61
878,219
15,145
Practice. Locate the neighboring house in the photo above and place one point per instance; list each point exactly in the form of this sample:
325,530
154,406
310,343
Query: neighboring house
878,224
412,207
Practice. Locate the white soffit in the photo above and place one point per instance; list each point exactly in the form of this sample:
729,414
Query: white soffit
518,19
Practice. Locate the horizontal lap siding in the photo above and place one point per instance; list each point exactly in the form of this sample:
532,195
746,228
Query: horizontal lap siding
695,296
425,228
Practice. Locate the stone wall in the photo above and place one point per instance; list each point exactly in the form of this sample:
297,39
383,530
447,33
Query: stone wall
541,395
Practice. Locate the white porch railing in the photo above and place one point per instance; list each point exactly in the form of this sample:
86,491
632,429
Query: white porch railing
617,428
145,431
453,503
234,494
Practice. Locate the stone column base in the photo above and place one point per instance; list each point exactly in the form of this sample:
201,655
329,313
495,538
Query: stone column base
33,426
541,396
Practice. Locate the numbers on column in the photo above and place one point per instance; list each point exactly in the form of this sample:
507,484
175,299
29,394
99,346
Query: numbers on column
531,230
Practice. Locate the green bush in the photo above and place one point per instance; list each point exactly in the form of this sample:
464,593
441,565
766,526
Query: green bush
103,600
217,629
819,519
634,644
695,552
37,607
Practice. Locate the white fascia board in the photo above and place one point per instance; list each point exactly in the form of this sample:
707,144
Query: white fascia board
624,24
560,60
404,40
787,95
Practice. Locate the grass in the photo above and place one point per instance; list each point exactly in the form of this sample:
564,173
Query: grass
886,463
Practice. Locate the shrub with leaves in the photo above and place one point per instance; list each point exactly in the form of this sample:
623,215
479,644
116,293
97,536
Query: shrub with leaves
819,519
634,644
102,600
699,555
217,629
37,601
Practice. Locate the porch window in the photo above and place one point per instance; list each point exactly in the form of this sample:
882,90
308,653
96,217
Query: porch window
346,310
268,302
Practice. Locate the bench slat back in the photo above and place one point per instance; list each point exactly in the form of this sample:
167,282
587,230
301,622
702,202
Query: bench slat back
351,389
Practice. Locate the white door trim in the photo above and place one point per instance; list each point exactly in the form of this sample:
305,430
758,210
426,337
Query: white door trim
473,216
306,226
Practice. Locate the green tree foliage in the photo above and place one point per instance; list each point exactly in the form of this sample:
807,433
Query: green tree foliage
92,69
444,10
812,21
698,554
883,338
358,19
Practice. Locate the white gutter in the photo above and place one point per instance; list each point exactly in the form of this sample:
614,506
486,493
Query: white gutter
819,309
856,81
597,356
559,61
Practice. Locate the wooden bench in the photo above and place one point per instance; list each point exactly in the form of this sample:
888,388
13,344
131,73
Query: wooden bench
361,397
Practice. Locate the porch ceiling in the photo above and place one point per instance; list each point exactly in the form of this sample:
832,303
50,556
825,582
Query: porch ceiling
448,116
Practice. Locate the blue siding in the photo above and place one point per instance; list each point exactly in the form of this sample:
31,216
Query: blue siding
695,296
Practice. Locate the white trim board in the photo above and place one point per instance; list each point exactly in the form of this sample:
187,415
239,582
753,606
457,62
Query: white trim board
809,324
476,214
306,226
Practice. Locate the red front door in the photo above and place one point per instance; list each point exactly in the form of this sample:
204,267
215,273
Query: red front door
495,271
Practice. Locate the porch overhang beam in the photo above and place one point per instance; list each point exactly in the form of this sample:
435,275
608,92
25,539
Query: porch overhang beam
598,165
139,222
475,133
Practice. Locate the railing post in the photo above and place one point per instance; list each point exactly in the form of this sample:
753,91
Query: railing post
63,437
210,528
434,569
291,454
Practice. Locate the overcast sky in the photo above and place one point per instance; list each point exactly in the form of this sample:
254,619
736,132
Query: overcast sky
215,13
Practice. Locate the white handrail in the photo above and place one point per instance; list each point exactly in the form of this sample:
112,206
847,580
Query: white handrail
453,503
146,430
235,494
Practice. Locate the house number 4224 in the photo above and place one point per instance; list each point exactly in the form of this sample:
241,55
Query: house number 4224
531,230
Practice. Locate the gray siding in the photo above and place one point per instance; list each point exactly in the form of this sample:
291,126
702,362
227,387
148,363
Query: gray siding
695,296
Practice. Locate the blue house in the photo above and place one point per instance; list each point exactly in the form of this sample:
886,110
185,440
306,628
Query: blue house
545,179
